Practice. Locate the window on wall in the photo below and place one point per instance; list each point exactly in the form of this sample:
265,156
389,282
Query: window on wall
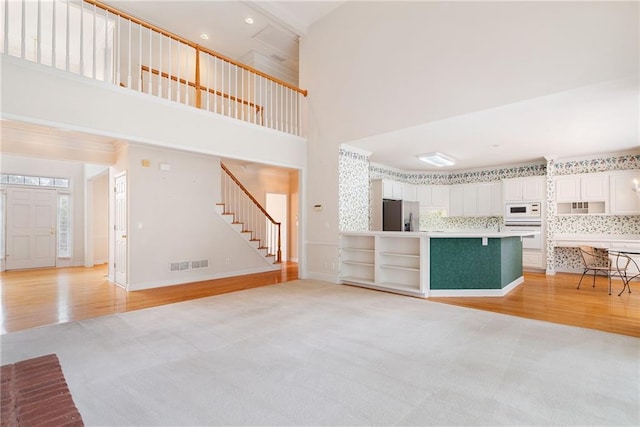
64,225
35,181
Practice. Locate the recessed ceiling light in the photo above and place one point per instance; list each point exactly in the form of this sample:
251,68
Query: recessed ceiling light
204,36
248,21
437,159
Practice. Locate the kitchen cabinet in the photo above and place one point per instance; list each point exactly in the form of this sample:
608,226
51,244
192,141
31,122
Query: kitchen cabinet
456,200
531,189
590,187
476,199
469,199
623,200
409,192
490,199
391,189
433,198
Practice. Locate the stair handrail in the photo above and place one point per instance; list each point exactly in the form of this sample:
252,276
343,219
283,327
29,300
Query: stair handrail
258,205
196,46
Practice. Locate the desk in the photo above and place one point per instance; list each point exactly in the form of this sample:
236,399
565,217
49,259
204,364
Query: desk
624,253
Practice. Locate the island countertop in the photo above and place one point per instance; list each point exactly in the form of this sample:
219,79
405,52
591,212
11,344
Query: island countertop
468,234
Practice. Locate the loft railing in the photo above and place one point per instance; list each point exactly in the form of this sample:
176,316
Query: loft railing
100,42
255,219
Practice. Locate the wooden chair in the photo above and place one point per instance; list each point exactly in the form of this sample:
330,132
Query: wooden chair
596,260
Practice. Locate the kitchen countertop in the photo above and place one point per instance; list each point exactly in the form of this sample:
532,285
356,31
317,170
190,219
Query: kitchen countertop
469,234
614,238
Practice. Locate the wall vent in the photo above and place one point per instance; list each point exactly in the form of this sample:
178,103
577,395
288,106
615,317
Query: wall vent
179,266
200,263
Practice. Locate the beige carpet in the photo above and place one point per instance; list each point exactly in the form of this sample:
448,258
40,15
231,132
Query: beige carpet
311,353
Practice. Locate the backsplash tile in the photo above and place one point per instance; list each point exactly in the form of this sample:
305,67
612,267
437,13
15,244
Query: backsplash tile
598,224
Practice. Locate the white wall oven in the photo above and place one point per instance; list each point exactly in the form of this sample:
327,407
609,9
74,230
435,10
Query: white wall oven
526,216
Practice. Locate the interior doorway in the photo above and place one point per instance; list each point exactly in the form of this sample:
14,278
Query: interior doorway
277,206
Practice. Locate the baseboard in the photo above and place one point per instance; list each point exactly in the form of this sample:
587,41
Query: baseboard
476,292
199,278
323,277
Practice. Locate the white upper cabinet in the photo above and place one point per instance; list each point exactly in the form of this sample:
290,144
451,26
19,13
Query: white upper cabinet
568,189
532,189
391,189
440,195
623,200
490,199
424,195
470,199
594,187
409,192
590,187
456,200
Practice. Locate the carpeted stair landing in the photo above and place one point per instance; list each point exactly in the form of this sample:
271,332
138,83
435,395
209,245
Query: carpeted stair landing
35,393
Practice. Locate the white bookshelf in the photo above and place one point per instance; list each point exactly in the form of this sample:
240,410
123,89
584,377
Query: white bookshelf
385,261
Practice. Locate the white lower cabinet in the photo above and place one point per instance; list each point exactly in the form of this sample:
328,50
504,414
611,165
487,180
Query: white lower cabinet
392,262
533,259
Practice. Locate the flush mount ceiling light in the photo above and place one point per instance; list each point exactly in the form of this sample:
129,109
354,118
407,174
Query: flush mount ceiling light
437,159
204,36
248,20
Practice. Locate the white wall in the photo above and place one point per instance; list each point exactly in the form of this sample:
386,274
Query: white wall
58,169
173,218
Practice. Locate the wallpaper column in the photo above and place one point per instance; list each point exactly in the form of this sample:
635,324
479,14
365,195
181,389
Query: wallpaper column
551,215
353,205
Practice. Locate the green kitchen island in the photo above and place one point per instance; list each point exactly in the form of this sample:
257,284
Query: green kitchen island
474,263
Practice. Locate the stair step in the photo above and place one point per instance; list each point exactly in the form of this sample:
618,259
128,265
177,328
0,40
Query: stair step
238,226
227,217
220,208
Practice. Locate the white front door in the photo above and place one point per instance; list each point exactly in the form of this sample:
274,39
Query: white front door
31,228
120,229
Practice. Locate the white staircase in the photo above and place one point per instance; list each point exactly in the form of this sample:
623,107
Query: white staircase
247,235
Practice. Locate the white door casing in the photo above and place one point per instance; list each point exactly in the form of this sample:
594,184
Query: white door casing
120,230
31,228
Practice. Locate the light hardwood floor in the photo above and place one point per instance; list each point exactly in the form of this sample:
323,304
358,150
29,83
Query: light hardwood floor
43,297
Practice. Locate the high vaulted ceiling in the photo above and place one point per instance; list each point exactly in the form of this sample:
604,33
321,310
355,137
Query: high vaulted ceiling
269,44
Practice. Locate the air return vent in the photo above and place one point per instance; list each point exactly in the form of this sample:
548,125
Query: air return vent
179,266
200,263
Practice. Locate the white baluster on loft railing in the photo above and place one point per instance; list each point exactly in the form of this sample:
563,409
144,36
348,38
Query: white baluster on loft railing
53,34
178,87
67,53
129,57
39,33
139,65
150,73
105,68
160,36
215,82
186,76
170,68
23,47
93,45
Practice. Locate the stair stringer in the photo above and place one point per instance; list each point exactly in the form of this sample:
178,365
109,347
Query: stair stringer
267,258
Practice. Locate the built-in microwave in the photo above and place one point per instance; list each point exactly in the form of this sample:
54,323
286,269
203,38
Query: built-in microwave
530,211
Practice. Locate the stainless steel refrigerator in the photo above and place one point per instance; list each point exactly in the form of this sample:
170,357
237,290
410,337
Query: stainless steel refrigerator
400,215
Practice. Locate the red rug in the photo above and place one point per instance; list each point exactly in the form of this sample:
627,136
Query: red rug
35,393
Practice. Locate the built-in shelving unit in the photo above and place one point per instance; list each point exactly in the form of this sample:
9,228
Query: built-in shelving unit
390,262
357,258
